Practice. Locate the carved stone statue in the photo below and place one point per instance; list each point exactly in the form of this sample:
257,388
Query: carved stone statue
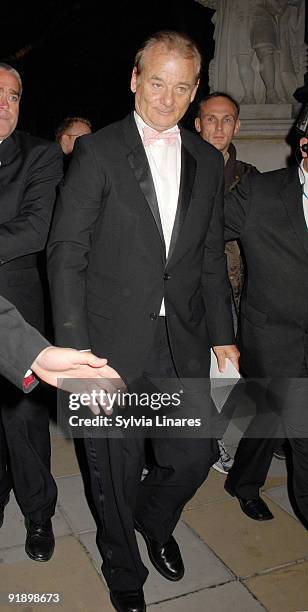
259,49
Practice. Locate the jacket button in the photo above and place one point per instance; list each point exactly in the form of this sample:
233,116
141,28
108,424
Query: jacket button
153,316
166,276
2,261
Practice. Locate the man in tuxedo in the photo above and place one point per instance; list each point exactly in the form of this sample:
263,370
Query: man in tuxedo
268,213
138,272
30,169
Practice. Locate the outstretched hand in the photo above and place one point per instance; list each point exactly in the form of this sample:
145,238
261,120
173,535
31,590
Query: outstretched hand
78,372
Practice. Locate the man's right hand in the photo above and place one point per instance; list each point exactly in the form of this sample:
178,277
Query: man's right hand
79,372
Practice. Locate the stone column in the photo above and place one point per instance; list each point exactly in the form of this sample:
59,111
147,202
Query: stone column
260,59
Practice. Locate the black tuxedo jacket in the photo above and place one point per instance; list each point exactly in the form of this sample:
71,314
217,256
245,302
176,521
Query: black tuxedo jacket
107,264
30,169
20,344
266,213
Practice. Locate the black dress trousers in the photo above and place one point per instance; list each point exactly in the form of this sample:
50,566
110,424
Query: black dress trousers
180,466
25,452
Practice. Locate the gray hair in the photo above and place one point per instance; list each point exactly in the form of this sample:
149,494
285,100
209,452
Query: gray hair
174,41
8,68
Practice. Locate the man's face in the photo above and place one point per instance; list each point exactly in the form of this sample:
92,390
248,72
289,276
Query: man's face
67,140
9,103
165,87
218,122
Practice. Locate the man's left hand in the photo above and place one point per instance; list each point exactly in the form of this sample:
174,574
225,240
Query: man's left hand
222,352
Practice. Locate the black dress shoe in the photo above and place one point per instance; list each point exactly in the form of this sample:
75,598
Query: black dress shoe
128,601
255,508
40,541
166,557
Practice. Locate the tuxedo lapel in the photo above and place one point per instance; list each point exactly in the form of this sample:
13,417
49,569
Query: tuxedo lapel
291,194
138,162
188,172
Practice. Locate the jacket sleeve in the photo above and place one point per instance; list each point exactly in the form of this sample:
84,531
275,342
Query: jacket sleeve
76,212
237,208
19,346
27,232
215,282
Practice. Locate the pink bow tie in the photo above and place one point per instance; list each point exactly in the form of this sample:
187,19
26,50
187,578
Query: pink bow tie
150,136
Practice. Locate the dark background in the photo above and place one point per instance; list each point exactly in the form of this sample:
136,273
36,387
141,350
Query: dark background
76,57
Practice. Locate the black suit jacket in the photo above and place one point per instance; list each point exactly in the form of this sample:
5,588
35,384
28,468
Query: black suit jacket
107,265
30,169
20,344
266,213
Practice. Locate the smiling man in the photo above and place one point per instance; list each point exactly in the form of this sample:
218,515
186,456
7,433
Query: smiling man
138,272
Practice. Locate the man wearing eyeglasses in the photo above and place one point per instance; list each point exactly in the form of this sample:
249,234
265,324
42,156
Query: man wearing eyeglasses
30,169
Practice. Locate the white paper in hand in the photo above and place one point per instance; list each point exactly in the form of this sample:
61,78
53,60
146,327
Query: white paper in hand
230,371
222,383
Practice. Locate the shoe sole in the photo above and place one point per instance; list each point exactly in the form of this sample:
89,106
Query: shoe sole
153,561
218,469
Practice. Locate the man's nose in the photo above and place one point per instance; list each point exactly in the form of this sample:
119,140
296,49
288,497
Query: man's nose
3,100
219,125
168,97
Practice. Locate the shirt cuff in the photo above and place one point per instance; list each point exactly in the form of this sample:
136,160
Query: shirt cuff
28,380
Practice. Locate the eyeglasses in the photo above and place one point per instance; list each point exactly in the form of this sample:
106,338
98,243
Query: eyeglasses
11,97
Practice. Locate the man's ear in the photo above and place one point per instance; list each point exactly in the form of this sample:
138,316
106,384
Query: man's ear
304,141
65,142
133,81
237,127
198,124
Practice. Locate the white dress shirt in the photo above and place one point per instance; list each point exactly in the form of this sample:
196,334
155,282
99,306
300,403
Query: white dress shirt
165,166
303,177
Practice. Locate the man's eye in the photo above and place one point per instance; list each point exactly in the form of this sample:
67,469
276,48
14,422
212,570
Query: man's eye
156,85
13,98
182,90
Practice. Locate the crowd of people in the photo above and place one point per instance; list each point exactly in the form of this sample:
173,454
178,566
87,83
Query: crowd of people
138,242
